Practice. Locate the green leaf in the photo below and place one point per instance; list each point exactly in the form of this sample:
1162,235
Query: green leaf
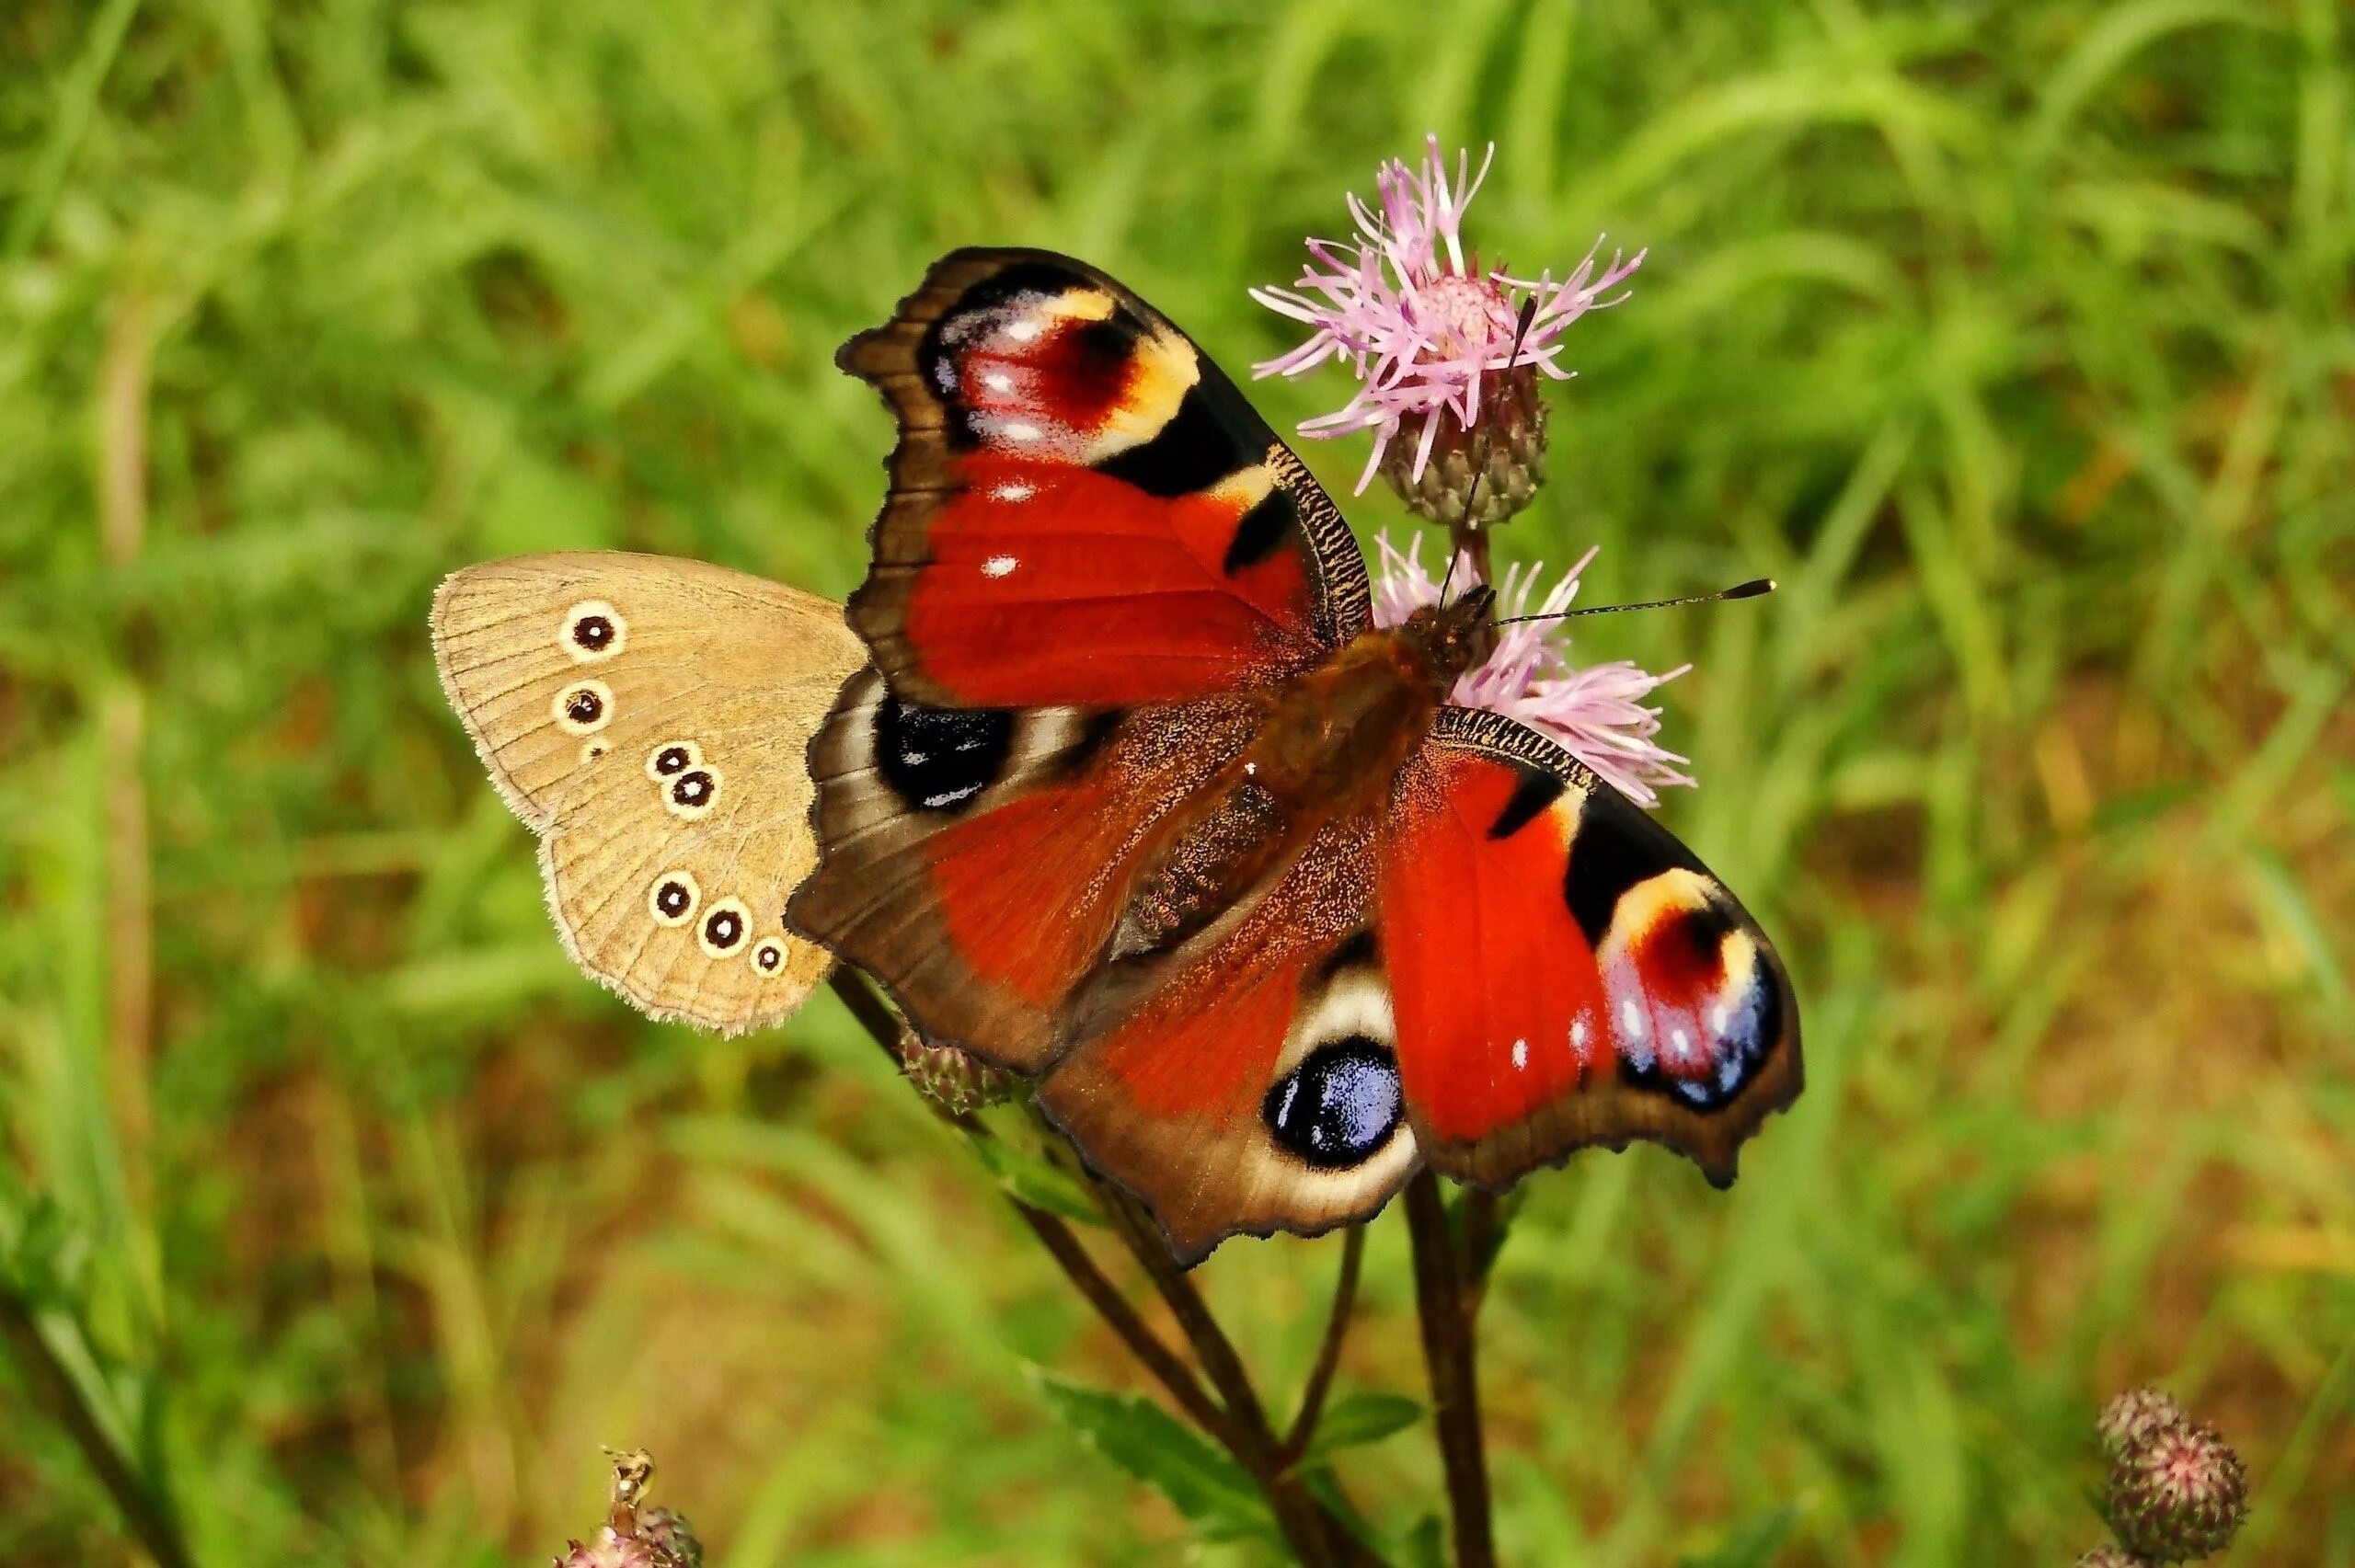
1355,1420
1214,1493
1036,1182
1753,1543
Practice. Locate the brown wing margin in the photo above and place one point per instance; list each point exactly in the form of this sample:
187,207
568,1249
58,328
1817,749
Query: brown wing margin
1564,972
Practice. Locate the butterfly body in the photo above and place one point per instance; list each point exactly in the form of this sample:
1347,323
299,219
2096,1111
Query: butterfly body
1139,800
1328,750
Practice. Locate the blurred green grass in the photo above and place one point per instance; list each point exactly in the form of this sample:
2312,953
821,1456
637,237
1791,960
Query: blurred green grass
2017,340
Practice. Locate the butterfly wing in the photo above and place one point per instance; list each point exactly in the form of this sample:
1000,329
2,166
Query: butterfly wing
1084,509
1247,1081
1563,972
647,718
1515,962
1093,555
978,860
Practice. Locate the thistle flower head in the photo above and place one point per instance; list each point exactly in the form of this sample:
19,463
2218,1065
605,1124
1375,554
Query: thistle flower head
1595,711
1447,372
2175,1492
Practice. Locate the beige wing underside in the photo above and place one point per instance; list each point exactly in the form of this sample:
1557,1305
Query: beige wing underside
648,719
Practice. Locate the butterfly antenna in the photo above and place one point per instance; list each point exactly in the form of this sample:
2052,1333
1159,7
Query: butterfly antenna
1753,588
1487,440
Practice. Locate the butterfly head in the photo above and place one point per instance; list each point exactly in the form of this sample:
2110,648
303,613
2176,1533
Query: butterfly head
1448,639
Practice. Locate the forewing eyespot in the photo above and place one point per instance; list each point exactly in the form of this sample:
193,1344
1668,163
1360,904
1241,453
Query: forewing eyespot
670,758
584,708
592,630
672,898
723,928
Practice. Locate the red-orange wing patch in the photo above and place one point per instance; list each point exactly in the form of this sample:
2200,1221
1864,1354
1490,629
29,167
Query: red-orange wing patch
1563,971
1084,509
976,860
1246,1081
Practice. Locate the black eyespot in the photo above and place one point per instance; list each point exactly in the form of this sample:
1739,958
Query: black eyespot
691,789
724,928
593,632
1339,1107
939,759
583,707
671,759
672,898
769,957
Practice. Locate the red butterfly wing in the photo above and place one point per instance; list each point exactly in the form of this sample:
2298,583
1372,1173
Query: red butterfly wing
1246,1081
976,861
1563,971
1084,509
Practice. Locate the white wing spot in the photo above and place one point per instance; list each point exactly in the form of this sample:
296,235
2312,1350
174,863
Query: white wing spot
999,381
1632,1017
1013,492
1018,431
1718,1017
1578,1036
1521,1054
1680,1043
999,565
1022,331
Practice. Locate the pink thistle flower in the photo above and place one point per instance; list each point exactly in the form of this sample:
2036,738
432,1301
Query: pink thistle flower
1595,711
1427,332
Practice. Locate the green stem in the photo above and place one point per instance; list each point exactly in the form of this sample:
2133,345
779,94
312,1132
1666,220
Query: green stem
1328,1354
1442,1306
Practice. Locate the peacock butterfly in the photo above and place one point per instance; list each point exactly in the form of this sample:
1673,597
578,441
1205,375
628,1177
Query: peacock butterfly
1137,800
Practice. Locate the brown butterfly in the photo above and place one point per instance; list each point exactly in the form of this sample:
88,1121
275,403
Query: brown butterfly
647,718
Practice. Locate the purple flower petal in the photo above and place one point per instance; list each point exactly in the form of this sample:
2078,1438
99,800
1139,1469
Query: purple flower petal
1417,325
1595,711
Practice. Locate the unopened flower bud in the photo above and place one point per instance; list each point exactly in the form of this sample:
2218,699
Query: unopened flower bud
2107,1557
1494,468
2133,1418
667,1532
2176,1490
959,1080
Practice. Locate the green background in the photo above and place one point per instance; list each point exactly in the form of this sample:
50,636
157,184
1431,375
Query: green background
2014,340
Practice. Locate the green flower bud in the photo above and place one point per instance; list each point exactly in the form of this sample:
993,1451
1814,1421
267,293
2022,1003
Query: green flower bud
1494,468
959,1080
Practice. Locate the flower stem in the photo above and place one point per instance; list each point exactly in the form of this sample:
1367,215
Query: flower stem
1315,1536
1329,1354
1092,1283
1445,1307
1235,1420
